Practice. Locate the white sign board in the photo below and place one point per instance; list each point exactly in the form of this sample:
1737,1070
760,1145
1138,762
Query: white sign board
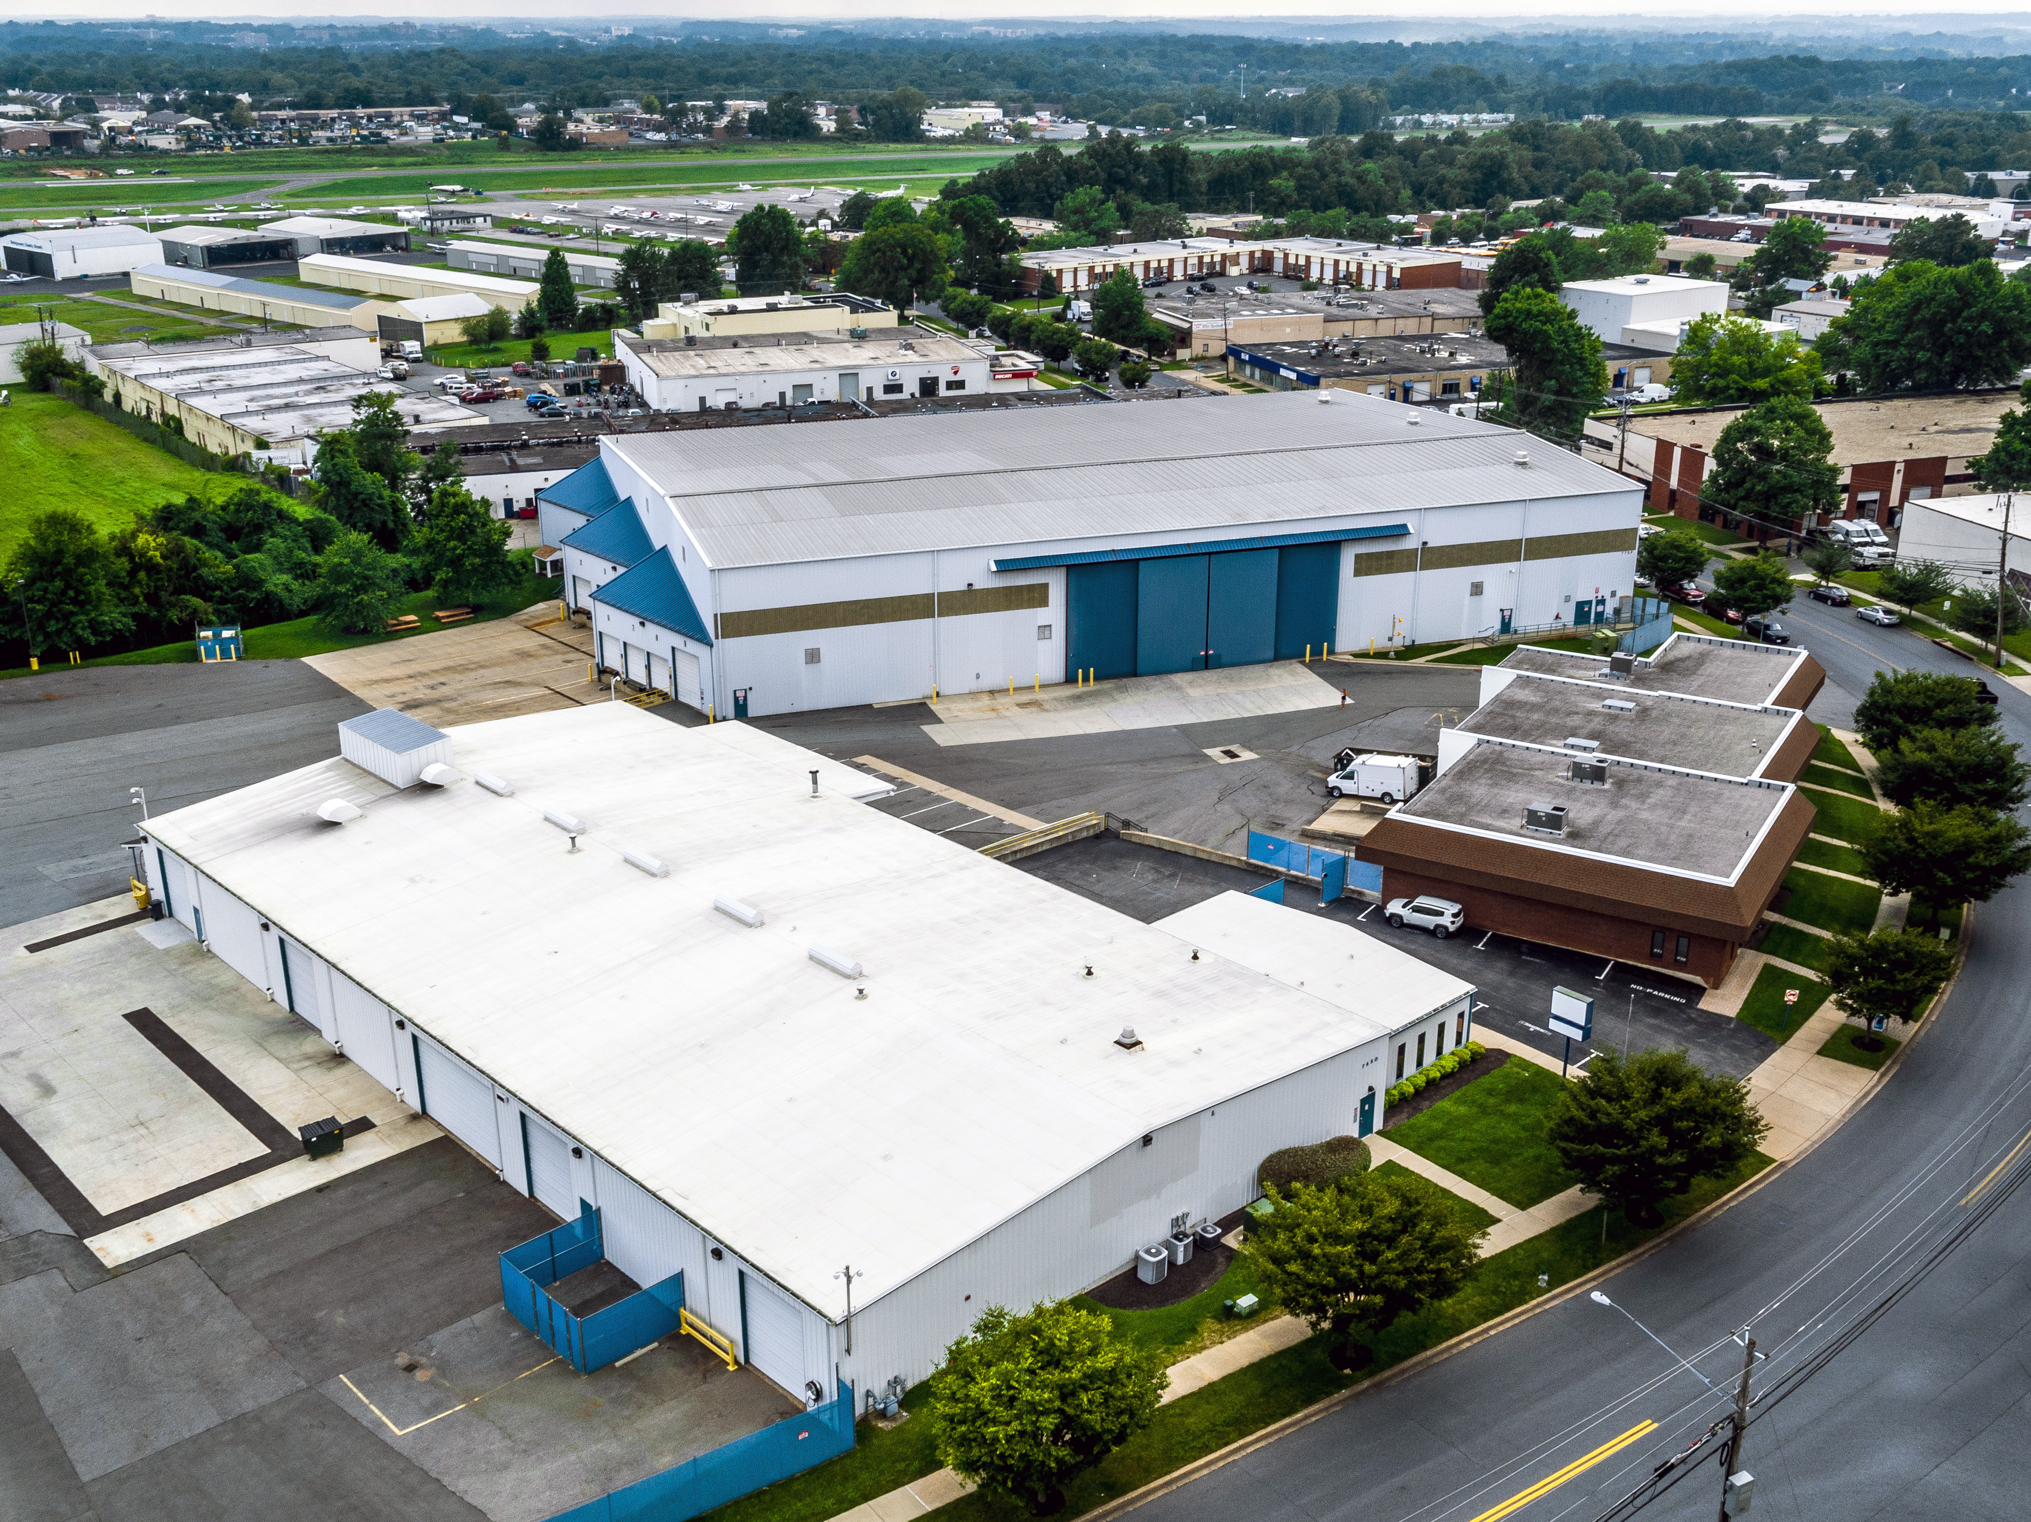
1572,1014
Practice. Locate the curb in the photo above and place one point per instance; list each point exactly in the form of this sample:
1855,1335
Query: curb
1219,1459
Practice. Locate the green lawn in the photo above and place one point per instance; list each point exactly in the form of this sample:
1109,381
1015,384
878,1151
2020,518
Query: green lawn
1839,780
1794,945
1493,655
124,195
1765,1007
1468,1211
1833,752
1822,853
563,346
107,323
59,455
1845,818
1710,533
1832,903
1841,1047
1491,1133
1172,1329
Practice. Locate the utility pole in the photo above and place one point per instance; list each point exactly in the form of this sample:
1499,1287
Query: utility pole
1622,450
1739,1419
2003,577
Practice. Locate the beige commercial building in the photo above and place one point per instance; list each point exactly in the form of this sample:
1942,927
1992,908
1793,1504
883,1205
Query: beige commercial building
404,282
745,315
710,374
1205,327
289,305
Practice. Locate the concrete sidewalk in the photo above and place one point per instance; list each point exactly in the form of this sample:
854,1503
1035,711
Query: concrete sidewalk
1137,702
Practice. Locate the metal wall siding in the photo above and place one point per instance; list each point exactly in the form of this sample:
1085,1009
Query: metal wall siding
775,1334
233,934
1170,615
1100,617
1241,608
1059,1245
1447,557
645,1239
1613,541
548,1170
1384,562
459,1099
1307,598
1209,547
366,1031
300,974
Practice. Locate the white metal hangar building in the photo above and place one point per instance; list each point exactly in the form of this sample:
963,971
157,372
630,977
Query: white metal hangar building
768,1031
758,571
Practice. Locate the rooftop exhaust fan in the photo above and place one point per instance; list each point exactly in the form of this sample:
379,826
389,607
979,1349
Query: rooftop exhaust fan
493,784
832,961
734,909
336,811
437,774
1129,1041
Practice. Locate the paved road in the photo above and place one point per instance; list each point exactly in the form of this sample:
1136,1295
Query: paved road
73,742
1925,1417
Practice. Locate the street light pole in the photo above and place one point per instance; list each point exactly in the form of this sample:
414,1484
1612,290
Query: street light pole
27,623
2003,576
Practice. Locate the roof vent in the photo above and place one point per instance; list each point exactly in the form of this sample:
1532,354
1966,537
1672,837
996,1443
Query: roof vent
1618,705
1575,742
734,909
1325,394
336,811
1590,773
499,787
437,774
393,746
1545,818
1523,459
690,340
571,824
1641,279
845,966
1128,1040
642,861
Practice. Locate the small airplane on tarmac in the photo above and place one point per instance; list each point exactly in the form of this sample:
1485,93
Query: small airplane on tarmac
743,185
801,195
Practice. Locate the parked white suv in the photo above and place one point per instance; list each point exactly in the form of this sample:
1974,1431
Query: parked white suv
1441,916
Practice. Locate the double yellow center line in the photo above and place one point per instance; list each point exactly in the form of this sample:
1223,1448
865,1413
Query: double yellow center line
1578,1466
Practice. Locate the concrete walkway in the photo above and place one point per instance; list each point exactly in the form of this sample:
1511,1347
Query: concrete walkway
1511,1224
1137,702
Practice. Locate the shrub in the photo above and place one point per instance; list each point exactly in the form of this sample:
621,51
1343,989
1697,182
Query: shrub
1318,1165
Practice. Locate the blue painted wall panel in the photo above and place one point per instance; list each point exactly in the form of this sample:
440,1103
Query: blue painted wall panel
1170,615
1307,597
1241,607
1101,618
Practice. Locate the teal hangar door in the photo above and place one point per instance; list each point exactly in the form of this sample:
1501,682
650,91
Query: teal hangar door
1307,598
1170,615
1100,616
1241,607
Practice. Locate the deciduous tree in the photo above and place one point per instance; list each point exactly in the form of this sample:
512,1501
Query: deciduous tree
1828,558
1558,377
556,296
1119,311
1886,974
1974,764
768,252
1948,241
895,265
462,548
1902,703
1640,1130
1724,360
358,585
1753,584
1773,466
1672,557
1527,264
1947,855
1917,325
60,586
1794,249
1026,1401
1913,583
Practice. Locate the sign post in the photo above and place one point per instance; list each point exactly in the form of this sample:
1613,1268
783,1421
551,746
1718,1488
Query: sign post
1790,998
1572,1016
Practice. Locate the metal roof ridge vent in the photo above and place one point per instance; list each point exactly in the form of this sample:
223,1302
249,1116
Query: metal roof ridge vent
642,861
734,909
834,961
571,824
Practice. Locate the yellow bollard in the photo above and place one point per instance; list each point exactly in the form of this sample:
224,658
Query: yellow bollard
1325,650
1037,684
708,714
1011,686
1308,655
34,664
1371,644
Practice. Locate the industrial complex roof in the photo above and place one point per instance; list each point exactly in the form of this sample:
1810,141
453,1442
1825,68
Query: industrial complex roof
719,354
339,301
1683,821
1643,725
617,538
655,590
277,393
833,490
328,227
336,267
722,1067
1699,665
277,338
81,237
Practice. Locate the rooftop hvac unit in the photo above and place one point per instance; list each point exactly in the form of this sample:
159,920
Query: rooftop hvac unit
1575,742
1545,818
393,746
1590,773
1621,664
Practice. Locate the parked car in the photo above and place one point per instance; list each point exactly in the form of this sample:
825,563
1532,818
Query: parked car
1207,286
1766,629
1688,592
1882,618
1837,596
481,394
1985,695
1156,280
1441,916
551,414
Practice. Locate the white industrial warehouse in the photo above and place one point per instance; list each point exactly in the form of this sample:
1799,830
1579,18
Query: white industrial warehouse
768,1031
755,571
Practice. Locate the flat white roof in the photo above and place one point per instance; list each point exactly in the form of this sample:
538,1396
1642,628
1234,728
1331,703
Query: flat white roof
327,227
117,236
720,1066
444,308
312,266
1636,285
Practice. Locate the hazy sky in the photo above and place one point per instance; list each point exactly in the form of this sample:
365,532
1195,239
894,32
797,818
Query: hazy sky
1197,12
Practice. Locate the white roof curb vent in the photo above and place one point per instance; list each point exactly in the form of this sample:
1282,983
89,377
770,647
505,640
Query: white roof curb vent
1618,705
1576,742
393,746
734,909
336,811
642,861
494,785
845,966
570,824
437,774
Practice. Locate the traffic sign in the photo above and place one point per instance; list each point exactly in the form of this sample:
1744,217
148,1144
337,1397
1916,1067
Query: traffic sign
1790,996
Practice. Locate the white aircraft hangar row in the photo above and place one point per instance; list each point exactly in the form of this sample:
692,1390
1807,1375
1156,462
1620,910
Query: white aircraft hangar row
752,571
767,1031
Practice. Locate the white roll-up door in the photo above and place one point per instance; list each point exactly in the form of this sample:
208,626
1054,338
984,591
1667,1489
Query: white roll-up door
232,931
549,1168
299,981
646,1238
775,1334
459,1100
688,688
366,1030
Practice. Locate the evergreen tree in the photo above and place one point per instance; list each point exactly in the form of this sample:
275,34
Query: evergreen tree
556,296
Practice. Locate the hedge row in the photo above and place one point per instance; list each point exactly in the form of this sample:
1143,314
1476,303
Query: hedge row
1432,1072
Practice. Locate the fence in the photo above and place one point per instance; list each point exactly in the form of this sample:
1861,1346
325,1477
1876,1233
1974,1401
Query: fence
1647,636
586,1342
172,442
1337,871
730,1471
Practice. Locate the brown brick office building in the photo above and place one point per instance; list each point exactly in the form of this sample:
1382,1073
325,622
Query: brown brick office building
1648,815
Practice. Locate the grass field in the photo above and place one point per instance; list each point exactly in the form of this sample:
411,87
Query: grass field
69,197
1171,1329
1491,1133
1709,533
1832,903
1794,945
1467,1210
1839,780
1844,818
1822,853
59,455
1494,655
1842,1048
108,323
1765,1007
562,346
1833,752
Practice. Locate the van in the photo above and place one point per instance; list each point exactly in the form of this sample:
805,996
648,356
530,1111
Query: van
1389,778
1078,311
1865,541
412,350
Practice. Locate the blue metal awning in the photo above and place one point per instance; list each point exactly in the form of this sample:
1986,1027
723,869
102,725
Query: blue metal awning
1203,547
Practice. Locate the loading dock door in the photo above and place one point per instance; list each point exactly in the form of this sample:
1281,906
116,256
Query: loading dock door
299,978
1101,618
1241,608
458,1099
1170,615
775,1334
1307,597
549,1159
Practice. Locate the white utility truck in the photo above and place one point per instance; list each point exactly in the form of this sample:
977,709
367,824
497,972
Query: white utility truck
1369,775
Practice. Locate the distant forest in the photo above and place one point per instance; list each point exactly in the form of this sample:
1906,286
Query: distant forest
1124,77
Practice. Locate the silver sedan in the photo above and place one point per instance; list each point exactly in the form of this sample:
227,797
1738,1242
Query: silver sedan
1881,617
